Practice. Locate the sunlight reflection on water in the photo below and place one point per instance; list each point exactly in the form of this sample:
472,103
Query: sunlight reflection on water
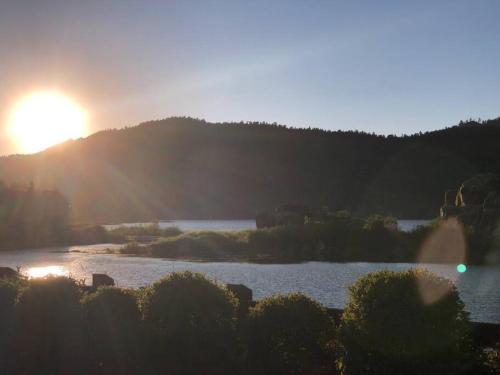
35,272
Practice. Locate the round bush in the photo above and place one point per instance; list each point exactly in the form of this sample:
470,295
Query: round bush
8,295
112,320
49,327
190,322
289,334
390,326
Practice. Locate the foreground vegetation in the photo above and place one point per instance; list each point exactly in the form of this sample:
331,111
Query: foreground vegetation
186,324
343,238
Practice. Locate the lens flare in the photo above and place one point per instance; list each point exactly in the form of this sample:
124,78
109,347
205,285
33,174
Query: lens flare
445,245
461,268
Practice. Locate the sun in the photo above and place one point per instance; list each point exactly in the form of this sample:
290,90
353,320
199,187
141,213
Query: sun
43,119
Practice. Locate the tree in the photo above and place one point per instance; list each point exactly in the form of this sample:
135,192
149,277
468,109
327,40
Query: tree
410,322
289,334
190,324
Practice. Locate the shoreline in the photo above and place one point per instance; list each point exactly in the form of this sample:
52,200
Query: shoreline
276,261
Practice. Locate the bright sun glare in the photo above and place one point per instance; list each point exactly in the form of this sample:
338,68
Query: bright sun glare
35,272
43,119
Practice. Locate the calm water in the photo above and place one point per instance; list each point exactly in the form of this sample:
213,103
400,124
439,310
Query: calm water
234,225
325,282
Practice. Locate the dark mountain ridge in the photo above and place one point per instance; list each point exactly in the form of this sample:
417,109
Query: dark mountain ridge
189,168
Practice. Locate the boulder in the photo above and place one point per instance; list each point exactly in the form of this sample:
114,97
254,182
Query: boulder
475,190
289,218
471,214
449,211
449,197
101,279
477,202
265,220
244,295
7,272
492,200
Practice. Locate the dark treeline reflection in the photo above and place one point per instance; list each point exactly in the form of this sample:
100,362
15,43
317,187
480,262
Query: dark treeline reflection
189,168
187,324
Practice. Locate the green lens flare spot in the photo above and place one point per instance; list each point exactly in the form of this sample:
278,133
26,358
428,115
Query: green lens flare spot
461,268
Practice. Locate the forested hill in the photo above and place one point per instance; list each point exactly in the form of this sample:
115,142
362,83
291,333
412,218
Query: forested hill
188,168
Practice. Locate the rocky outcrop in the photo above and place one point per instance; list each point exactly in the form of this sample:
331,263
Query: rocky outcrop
244,295
7,272
101,279
476,203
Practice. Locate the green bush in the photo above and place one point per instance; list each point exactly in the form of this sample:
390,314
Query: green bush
200,245
492,360
112,331
190,324
85,234
289,334
8,295
487,361
120,234
48,334
285,243
392,325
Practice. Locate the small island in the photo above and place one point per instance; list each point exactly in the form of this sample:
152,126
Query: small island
295,233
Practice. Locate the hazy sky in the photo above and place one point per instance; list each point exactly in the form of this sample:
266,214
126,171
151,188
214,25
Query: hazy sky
381,66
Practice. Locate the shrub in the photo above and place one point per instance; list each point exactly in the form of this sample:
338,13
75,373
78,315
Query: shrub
135,248
200,245
87,234
282,242
379,222
190,322
487,361
404,323
48,335
120,234
112,321
8,295
289,335
492,360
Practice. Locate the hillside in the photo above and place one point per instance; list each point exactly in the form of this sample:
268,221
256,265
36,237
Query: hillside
188,168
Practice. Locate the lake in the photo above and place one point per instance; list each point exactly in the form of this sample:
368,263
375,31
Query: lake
235,225
325,282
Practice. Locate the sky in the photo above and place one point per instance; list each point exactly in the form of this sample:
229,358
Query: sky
389,67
